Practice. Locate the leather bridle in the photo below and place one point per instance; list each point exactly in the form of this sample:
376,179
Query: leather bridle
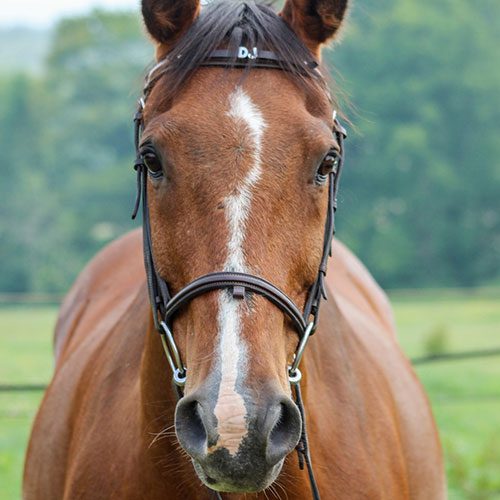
165,306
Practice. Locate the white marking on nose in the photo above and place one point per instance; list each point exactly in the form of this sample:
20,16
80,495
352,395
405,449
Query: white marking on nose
230,408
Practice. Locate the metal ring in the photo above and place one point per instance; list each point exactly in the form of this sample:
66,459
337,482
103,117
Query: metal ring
173,356
301,348
179,374
180,377
167,352
172,347
294,376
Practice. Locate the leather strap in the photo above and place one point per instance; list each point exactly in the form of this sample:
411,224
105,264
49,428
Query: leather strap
230,58
164,306
240,283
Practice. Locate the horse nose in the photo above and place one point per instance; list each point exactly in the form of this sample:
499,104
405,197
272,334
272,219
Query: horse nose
195,427
282,427
274,428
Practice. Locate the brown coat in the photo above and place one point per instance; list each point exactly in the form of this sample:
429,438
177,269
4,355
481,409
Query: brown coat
371,430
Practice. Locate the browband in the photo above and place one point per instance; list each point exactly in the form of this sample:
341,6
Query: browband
241,58
250,58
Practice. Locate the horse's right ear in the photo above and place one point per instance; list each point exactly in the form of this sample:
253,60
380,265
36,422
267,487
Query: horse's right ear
167,20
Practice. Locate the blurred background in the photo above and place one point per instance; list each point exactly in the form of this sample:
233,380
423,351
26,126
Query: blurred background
419,202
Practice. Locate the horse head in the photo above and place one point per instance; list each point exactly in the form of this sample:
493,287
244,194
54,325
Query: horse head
238,161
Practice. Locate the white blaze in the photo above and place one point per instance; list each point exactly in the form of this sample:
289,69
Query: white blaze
230,407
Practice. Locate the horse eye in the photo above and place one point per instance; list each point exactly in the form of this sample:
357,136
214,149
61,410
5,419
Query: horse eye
152,162
328,166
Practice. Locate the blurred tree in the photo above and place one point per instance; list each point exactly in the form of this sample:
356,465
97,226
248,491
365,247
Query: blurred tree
94,74
419,201
422,189
22,181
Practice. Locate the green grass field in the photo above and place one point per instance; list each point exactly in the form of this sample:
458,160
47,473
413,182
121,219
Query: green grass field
465,394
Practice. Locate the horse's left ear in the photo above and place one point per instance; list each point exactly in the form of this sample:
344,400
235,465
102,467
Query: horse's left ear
316,22
167,20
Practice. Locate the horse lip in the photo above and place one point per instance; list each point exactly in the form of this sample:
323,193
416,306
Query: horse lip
231,486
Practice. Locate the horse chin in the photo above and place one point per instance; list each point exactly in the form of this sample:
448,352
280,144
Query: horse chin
219,481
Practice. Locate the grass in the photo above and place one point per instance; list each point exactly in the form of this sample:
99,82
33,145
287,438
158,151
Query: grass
465,394
25,358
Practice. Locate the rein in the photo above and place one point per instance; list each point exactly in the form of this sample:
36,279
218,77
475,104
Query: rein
165,306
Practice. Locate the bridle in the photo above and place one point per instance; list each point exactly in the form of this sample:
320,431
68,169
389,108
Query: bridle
165,306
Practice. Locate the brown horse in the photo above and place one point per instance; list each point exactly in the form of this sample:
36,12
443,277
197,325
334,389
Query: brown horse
236,183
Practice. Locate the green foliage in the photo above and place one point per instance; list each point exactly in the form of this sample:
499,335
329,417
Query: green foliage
67,146
436,341
22,180
16,415
25,358
419,201
465,395
32,44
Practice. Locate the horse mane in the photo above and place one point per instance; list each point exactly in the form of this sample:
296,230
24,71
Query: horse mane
231,24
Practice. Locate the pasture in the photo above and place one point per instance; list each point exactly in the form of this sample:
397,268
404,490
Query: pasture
465,394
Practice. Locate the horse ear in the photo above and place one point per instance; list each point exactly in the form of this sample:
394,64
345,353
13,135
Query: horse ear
316,22
167,20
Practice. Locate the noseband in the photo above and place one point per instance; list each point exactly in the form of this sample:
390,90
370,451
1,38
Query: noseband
240,285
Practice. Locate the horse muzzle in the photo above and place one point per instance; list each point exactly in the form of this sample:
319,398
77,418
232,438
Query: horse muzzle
272,430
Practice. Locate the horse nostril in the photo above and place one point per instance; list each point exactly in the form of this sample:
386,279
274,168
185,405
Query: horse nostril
191,431
279,429
285,433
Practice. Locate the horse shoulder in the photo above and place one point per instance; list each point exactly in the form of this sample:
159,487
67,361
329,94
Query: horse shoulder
98,343
356,291
101,293
359,353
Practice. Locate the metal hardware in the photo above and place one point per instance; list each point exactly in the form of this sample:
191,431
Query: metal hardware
173,355
294,374
238,292
180,378
295,377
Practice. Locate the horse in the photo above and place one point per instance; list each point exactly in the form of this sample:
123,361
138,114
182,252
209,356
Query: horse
236,161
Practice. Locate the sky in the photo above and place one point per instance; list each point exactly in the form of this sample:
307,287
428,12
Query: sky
43,13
